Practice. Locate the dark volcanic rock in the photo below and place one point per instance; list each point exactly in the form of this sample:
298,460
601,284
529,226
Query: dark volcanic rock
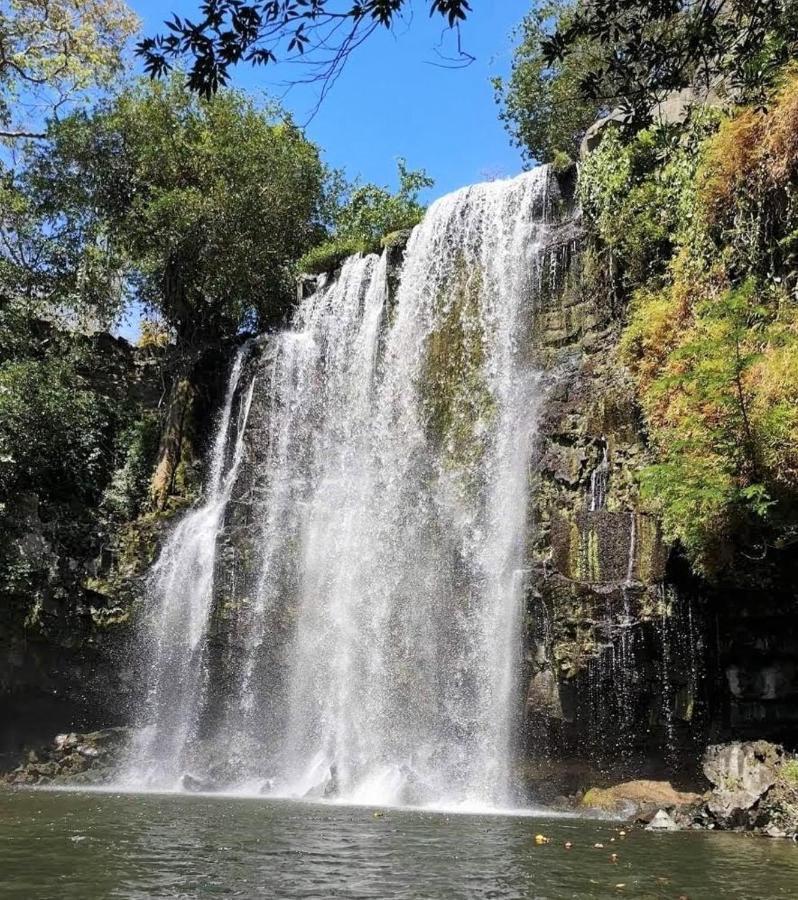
91,758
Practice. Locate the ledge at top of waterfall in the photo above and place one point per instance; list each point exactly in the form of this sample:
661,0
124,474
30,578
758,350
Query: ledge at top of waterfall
358,635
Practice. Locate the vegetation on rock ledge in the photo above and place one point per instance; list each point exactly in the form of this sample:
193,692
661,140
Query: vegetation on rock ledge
699,230
365,218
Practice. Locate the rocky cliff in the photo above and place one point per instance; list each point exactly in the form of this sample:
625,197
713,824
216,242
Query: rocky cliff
71,573
632,663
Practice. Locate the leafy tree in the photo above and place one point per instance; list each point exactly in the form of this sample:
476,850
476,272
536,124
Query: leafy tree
199,208
52,259
366,215
650,49
542,106
371,212
323,32
56,429
52,52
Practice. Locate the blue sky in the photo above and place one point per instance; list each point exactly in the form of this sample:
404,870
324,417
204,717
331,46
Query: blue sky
392,100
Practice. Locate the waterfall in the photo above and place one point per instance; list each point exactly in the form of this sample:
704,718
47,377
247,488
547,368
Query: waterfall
374,653
180,594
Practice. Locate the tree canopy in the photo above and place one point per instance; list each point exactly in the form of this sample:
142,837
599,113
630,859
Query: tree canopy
647,50
52,52
543,108
196,208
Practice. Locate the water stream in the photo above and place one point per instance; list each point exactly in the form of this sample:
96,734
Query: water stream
180,588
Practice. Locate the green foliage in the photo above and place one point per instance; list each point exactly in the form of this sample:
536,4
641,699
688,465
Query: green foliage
372,212
638,197
329,255
55,52
53,256
789,771
688,228
200,207
55,431
707,483
128,490
541,106
366,217
645,51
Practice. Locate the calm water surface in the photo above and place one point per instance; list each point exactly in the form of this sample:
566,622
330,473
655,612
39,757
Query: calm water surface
82,845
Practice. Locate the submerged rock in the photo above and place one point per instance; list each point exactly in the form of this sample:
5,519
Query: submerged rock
194,783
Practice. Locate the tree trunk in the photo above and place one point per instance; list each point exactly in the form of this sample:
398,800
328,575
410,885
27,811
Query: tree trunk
176,444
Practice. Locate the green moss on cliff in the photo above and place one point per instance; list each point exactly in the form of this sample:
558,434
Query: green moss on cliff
456,397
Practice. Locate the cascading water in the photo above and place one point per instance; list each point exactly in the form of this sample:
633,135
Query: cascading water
181,590
375,655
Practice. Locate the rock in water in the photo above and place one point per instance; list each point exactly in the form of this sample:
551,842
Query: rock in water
194,784
638,797
662,822
741,773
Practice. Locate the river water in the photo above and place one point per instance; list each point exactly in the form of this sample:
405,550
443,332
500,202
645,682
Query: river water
101,845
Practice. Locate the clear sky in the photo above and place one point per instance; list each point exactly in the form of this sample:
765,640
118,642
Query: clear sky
394,100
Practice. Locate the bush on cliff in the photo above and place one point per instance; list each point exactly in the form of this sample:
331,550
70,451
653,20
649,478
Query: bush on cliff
701,236
365,215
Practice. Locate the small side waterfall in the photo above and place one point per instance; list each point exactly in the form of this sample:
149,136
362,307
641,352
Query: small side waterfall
180,587
375,652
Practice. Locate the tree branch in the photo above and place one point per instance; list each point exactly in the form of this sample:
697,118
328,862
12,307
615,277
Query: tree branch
19,135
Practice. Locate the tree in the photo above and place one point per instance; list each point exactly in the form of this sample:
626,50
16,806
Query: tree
365,215
52,52
198,208
371,212
542,106
651,49
323,32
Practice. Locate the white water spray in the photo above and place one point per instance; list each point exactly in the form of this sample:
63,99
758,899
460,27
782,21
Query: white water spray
376,656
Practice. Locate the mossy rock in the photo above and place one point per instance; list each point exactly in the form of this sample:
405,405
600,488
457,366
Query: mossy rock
458,402
634,796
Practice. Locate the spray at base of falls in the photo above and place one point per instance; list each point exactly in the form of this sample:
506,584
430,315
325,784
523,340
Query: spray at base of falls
375,655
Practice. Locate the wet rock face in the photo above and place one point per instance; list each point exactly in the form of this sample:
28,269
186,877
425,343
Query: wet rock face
632,660
597,598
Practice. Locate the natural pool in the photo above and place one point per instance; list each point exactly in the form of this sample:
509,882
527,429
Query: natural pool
91,845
